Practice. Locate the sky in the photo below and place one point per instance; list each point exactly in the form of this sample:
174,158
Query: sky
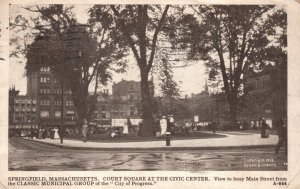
190,79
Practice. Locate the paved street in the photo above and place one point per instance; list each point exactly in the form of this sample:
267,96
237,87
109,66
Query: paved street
32,156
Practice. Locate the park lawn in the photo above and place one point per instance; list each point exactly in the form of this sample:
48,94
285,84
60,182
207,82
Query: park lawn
133,137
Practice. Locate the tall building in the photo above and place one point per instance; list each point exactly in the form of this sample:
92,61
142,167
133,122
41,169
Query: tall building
46,88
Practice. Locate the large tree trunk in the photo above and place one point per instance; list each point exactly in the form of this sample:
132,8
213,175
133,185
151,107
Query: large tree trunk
80,99
233,103
148,122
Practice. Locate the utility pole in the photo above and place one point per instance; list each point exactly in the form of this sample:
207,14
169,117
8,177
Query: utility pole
62,108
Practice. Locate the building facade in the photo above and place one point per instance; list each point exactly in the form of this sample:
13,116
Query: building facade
258,99
22,111
51,99
126,96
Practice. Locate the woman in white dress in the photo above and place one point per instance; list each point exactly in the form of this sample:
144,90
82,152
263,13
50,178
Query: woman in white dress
56,135
163,125
125,128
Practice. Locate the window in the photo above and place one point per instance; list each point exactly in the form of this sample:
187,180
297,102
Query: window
57,103
45,69
103,108
57,91
69,91
44,113
103,115
44,91
56,80
70,112
57,113
44,79
45,102
69,103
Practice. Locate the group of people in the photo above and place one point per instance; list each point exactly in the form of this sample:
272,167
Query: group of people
43,133
164,125
40,133
118,132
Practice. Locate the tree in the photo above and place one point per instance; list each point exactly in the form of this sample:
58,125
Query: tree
229,39
168,86
82,54
140,26
179,109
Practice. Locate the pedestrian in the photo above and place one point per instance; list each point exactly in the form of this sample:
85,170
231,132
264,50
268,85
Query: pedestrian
186,128
140,125
163,125
36,133
56,135
84,130
170,123
40,133
52,133
113,134
157,128
31,133
264,129
44,135
282,135
125,128
129,124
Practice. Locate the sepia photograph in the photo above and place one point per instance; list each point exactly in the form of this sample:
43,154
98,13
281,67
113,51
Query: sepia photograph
148,87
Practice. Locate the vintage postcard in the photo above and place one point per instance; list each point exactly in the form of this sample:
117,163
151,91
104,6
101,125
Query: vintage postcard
128,94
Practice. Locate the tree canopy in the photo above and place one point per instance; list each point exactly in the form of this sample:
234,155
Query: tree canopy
232,39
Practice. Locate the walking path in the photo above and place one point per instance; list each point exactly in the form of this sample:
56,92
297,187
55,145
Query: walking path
233,140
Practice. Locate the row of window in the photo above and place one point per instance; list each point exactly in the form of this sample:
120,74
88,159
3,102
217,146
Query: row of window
47,79
45,69
18,101
44,91
24,117
57,113
44,79
56,91
69,103
24,109
46,102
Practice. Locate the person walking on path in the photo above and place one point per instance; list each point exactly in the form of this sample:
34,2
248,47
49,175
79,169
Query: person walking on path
56,135
264,129
163,125
125,127
40,133
84,130
282,135
157,128
186,128
170,123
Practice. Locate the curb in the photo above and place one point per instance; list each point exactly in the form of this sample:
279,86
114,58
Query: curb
171,148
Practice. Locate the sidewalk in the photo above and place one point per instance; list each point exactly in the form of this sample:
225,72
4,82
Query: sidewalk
233,140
